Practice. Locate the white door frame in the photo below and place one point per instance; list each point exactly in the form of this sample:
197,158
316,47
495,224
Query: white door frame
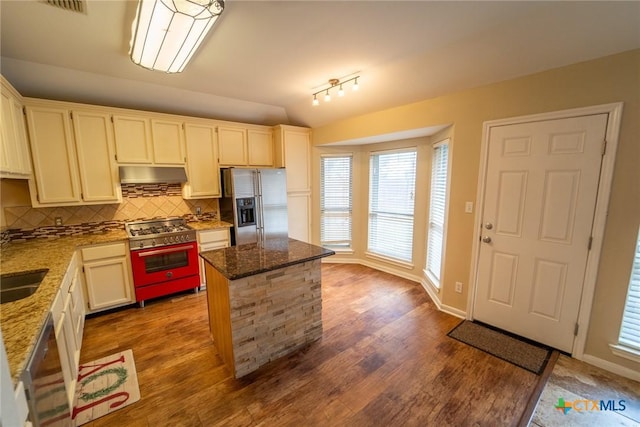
602,202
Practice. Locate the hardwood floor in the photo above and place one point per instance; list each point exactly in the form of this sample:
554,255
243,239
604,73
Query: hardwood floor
384,360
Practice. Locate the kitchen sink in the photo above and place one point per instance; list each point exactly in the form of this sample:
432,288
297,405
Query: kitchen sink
15,286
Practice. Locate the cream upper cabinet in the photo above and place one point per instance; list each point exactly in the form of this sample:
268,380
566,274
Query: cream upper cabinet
73,158
260,147
15,161
202,162
54,157
95,149
168,142
133,139
293,151
245,146
232,143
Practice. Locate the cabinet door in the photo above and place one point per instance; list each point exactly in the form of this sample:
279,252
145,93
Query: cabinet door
77,308
297,152
232,143
108,283
202,162
96,158
299,212
54,157
9,147
133,139
260,147
23,161
168,142
59,319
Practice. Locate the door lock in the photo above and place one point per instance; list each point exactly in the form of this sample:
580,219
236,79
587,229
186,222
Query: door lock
488,226
486,239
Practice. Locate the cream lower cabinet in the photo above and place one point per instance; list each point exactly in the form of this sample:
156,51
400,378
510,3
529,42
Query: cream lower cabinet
14,146
107,275
203,172
209,240
63,321
73,159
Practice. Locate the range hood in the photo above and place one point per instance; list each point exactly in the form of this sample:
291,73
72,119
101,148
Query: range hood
152,174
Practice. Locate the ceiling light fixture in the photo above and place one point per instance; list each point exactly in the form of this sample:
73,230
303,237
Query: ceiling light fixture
332,84
166,33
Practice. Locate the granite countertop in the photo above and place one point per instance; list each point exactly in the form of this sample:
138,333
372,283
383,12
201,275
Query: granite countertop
241,261
22,320
208,225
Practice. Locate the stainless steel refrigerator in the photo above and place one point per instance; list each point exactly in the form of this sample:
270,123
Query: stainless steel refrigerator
255,202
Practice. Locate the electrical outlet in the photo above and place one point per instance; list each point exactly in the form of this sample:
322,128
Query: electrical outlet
198,210
459,287
58,220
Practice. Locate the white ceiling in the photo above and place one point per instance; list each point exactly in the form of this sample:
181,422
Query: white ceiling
264,59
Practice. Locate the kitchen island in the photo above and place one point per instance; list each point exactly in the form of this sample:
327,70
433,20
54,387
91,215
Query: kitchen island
264,300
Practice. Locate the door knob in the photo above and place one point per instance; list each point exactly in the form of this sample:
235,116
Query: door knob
486,239
488,226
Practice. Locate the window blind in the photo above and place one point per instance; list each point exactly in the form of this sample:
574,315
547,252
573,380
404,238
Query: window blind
630,330
336,201
392,177
437,208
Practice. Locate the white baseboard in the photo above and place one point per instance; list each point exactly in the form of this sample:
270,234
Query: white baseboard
612,367
442,307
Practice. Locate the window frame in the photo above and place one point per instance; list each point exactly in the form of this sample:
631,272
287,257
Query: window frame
626,348
386,256
434,281
338,248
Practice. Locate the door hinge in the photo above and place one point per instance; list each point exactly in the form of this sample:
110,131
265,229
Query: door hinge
115,156
604,147
83,268
24,110
112,119
590,243
71,114
575,329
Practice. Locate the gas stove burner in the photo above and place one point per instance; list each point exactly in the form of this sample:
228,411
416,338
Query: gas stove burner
154,233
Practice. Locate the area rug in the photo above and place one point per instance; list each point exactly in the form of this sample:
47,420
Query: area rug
104,386
521,352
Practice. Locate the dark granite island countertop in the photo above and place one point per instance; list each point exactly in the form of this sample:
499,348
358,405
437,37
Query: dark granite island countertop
264,300
236,262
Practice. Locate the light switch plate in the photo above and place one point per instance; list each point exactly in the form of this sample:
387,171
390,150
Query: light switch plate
468,207
459,287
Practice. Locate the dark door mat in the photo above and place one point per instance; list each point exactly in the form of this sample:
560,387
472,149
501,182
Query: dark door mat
514,349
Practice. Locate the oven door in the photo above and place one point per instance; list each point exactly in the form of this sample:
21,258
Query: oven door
157,265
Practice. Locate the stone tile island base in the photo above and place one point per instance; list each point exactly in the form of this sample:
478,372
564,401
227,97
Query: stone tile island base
260,318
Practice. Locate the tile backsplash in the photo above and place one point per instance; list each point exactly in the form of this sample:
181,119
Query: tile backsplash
138,202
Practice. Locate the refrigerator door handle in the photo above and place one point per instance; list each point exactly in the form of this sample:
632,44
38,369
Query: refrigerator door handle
259,208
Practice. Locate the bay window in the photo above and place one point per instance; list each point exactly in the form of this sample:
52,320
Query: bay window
392,176
336,201
437,212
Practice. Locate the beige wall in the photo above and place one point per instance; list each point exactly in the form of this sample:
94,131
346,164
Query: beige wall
611,79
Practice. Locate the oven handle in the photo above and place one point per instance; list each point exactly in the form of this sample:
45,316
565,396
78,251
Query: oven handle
164,251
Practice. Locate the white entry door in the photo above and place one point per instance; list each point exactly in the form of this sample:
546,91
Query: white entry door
540,194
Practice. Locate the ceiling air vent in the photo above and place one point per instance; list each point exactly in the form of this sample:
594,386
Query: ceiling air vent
79,6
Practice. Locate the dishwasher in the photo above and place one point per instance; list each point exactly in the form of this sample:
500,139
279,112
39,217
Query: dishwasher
44,382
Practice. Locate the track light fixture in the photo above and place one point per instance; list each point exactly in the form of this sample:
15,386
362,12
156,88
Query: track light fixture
333,83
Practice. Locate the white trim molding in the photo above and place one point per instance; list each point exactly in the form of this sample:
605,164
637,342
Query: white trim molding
614,112
611,367
626,352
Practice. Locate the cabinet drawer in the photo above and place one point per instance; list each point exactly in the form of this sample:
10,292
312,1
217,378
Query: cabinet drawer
102,252
219,235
